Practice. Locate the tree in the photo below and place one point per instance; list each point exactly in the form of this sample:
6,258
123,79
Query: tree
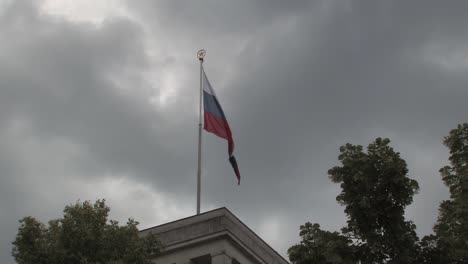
452,226
375,190
429,252
83,235
321,247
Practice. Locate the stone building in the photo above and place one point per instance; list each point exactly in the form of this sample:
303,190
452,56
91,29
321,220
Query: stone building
214,237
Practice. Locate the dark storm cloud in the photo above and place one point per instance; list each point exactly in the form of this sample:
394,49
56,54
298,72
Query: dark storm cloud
59,77
296,79
309,78
58,82
217,18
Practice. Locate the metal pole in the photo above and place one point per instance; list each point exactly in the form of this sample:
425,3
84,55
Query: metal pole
200,55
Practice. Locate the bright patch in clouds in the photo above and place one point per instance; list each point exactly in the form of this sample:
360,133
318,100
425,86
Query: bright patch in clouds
165,85
270,229
447,57
56,160
94,11
168,88
128,198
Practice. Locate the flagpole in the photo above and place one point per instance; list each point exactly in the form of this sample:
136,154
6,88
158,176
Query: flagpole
201,54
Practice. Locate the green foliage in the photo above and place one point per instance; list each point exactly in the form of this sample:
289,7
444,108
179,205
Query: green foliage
375,192
452,225
321,247
430,253
83,235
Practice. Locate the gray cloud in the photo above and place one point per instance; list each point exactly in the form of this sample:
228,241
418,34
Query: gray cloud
296,80
58,85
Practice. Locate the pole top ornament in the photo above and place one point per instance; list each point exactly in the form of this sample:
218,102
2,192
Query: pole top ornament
201,54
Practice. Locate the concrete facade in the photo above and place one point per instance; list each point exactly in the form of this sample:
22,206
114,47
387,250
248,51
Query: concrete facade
214,237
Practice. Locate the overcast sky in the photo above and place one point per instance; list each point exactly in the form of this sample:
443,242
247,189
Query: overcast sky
98,99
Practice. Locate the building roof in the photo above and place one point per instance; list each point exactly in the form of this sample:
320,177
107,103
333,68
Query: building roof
216,224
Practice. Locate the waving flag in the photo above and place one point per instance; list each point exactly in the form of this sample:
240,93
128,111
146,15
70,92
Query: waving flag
215,121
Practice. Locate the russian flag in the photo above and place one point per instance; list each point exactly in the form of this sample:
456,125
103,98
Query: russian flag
215,121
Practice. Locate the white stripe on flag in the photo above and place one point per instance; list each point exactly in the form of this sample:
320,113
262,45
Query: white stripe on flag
207,86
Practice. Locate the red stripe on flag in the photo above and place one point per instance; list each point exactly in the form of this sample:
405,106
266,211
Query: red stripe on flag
216,125
219,127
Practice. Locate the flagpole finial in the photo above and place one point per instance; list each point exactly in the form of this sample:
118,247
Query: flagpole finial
201,54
